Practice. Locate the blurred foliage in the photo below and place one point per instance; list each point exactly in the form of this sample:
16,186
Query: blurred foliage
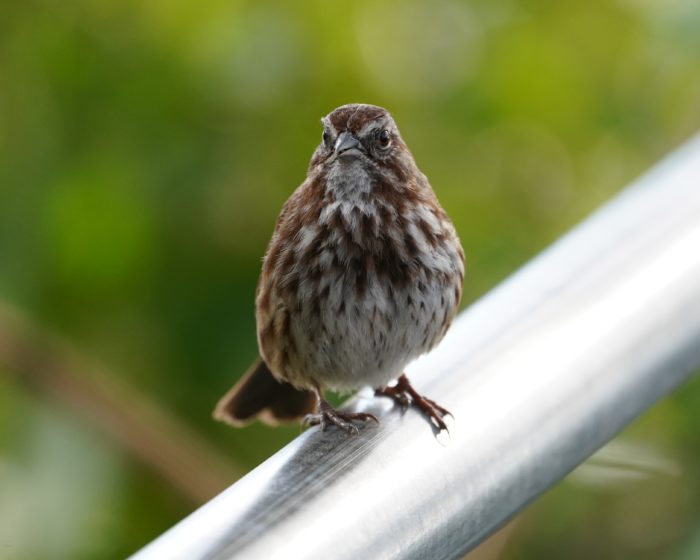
147,147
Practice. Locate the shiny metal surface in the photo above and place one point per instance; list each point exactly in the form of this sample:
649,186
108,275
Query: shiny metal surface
539,374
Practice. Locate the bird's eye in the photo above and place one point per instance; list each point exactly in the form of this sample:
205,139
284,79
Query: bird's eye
384,138
326,137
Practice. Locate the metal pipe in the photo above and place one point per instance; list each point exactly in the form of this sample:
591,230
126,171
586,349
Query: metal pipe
539,374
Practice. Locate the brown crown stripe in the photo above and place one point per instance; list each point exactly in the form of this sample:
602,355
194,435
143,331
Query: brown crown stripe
354,116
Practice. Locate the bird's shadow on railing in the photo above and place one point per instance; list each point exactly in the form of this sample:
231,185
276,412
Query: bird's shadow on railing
314,461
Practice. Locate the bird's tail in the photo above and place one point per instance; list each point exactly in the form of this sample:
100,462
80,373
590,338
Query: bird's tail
259,395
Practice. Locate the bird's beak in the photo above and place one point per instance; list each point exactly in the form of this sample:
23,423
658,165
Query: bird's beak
347,144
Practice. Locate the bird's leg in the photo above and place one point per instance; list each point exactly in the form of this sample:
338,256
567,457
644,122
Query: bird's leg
326,416
404,393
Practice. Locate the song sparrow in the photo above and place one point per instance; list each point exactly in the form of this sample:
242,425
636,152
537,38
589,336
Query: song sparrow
363,274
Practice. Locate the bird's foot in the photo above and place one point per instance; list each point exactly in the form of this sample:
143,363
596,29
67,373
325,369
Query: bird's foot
404,394
329,416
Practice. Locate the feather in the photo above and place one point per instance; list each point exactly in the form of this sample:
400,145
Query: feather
258,395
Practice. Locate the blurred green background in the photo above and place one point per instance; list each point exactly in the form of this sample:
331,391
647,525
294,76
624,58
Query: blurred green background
145,151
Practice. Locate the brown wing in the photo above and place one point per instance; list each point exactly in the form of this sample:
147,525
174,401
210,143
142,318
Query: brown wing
259,395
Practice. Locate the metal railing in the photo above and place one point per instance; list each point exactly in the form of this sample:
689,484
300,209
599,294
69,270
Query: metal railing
539,374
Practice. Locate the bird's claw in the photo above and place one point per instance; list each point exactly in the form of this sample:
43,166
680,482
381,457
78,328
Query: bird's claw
328,416
401,397
406,395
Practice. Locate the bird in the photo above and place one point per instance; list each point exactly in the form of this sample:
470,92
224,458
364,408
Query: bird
363,274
